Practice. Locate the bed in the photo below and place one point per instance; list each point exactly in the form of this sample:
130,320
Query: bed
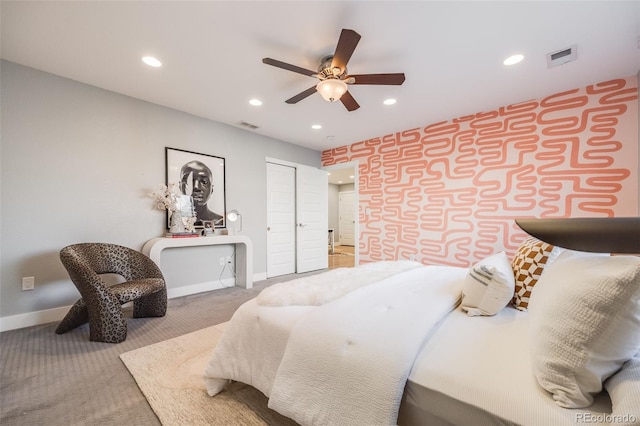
409,344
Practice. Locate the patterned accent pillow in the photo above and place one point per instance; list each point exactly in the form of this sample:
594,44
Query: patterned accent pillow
528,263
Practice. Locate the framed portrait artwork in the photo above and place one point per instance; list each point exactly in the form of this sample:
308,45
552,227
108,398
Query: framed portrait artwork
200,176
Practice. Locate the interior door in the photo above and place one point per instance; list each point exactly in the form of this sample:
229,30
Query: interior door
312,192
347,218
281,220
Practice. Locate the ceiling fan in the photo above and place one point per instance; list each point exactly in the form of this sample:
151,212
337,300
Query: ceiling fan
333,76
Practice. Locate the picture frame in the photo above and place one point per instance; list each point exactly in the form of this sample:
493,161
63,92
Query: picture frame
201,176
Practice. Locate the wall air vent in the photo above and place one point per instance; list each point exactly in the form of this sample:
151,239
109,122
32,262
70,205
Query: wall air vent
561,57
247,125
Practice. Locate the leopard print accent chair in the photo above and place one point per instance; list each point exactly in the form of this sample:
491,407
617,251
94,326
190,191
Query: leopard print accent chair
100,304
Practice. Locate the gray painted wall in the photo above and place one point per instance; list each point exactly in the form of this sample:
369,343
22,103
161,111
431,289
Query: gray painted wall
77,164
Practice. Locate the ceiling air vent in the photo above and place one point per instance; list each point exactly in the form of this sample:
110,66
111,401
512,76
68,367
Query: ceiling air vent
247,125
561,57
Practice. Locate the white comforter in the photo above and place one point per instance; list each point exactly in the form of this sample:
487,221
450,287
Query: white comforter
344,362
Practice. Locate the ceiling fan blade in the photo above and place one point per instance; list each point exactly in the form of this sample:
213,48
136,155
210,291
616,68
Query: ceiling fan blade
288,67
385,79
349,102
300,96
346,45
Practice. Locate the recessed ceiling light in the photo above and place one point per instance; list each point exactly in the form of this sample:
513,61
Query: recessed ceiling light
514,59
389,101
316,127
151,61
255,102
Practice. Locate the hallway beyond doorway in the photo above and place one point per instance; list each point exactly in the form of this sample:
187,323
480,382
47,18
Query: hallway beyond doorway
343,257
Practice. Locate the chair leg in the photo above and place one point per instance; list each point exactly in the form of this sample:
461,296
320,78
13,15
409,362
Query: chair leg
106,319
76,316
153,305
109,329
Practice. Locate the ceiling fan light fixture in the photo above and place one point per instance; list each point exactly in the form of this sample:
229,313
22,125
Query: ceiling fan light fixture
331,89
333,74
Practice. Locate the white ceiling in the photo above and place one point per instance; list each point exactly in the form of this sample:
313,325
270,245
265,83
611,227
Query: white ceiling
342,176
451,53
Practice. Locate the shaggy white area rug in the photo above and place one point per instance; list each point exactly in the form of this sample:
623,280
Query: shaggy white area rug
169,374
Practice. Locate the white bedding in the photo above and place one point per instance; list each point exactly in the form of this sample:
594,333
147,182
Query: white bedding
481,376
346,363
479,390
323,288
254,344
252,348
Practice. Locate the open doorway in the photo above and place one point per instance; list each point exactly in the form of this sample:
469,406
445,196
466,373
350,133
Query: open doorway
342,216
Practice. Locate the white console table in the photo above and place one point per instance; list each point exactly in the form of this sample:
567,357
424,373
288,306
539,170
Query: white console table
244,252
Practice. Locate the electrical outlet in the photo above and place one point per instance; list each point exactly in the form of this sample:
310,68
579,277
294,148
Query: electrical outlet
222,261
28,283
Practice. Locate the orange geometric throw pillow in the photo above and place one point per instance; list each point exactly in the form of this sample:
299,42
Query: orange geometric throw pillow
528,263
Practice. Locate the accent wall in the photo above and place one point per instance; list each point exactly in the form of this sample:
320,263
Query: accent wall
447,193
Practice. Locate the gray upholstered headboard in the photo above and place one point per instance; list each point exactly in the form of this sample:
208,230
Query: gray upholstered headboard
602,235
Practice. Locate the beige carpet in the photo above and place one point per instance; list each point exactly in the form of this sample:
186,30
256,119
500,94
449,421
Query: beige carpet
169,375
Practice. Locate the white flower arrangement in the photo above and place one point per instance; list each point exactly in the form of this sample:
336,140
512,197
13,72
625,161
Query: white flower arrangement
167,199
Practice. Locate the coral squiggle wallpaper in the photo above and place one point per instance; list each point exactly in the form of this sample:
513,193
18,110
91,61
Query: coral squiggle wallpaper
447,193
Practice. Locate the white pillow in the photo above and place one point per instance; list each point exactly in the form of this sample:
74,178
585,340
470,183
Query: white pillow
584,323
488,286
624,390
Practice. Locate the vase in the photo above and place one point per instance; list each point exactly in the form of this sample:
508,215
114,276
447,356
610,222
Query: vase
175,222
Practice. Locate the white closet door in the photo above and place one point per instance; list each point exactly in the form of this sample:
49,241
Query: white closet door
281,220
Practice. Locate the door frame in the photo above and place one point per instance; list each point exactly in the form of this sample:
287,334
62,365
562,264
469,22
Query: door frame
356,201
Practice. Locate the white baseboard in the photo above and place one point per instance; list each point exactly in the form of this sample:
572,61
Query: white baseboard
199,288
33,318
259,277
30,319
